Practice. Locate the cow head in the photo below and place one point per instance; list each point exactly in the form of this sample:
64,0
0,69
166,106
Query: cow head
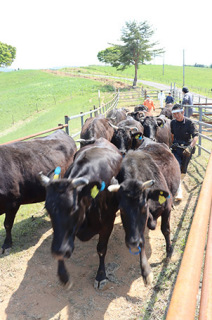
126,138
66,203
151,125
133,197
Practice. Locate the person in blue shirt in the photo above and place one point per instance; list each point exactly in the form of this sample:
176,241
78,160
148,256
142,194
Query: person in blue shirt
169,99
187,100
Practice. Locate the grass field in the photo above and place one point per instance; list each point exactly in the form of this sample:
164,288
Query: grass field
33,101
198,80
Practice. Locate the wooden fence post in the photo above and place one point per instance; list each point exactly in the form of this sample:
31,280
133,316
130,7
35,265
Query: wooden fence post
200,130
66,122
82,122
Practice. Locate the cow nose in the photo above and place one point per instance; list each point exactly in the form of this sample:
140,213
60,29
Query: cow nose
133,243
62,251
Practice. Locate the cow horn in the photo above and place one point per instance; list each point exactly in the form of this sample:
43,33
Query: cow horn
84,142
113,187
80,140
79,182
43,179
131,128
147,184
113,126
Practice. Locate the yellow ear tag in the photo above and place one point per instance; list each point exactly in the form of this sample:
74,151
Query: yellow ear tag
161,125
94,192
161,198
137,137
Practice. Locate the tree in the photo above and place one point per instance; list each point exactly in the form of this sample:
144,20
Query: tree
135,49
7,54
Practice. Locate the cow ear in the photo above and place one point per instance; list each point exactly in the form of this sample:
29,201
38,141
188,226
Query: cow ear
93,188
158,195
137,135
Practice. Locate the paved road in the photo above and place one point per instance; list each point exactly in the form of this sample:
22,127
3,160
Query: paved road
156,85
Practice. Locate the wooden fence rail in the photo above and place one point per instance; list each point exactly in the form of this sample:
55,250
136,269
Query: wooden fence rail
184,297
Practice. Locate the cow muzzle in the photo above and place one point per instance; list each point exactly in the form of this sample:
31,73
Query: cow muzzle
133,244
65,250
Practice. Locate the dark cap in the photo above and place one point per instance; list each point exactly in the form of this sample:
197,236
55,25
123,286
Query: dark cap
185,89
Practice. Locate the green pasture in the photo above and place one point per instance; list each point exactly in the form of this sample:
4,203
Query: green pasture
198,80
32,101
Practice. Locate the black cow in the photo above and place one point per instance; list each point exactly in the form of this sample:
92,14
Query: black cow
95,128
148,181
167,112
80,204
19,167
157,129
127,135
117,115
140,107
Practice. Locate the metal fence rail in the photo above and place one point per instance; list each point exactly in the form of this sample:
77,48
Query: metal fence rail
103,109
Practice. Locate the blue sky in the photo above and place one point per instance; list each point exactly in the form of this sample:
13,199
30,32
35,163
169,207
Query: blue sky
52,33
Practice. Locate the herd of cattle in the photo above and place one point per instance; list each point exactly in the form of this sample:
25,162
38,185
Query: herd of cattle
123,163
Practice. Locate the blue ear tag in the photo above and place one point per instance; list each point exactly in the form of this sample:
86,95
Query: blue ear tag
168,197
140,138
57,172
137,252
102,186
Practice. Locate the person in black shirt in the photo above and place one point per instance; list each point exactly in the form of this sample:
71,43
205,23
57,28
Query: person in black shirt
184,137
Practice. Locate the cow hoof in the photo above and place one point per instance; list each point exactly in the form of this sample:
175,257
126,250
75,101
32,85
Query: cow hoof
101,285
169,253
149,279
5,251
69,285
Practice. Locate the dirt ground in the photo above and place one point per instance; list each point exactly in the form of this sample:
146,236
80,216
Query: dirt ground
30,289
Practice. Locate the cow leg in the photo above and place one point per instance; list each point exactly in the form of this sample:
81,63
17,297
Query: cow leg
146,271
151,222
101,279
8,224
62,272
165,229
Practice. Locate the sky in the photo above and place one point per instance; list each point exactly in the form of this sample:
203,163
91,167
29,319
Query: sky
58,33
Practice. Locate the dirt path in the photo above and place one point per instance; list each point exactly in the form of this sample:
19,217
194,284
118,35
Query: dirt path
30,288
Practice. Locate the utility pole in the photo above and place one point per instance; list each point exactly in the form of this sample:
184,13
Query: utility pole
163,63
183,67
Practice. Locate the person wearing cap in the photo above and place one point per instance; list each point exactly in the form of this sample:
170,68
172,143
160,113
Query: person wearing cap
161,98
149,104
184,138
169,99
187,100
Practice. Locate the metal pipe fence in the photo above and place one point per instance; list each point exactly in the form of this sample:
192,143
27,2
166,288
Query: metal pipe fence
102,109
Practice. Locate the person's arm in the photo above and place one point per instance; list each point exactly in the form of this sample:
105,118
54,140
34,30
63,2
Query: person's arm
194,141
153,105
190,101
